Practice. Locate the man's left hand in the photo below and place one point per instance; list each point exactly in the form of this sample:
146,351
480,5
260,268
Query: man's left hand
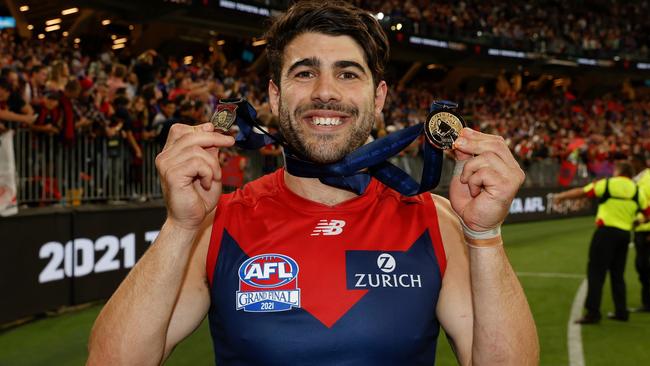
481,195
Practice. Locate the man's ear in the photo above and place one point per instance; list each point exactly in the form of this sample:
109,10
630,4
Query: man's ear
274,98
380,97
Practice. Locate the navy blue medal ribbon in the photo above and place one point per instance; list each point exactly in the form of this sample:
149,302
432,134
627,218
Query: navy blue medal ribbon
355,170
246,120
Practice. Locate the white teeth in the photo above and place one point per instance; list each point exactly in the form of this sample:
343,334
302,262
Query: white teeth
321,121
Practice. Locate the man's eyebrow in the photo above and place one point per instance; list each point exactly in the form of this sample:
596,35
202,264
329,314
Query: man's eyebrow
345,63
308,62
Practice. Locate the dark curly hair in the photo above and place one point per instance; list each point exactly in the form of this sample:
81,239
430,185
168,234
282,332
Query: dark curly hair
334,18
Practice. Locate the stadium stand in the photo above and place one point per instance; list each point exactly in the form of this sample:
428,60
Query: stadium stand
103,115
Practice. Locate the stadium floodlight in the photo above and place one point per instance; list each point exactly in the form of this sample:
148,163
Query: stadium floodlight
30,27
52,21
120,40
41,36
69,11
118,46
24,8
65,34
380,15
106,22
52,28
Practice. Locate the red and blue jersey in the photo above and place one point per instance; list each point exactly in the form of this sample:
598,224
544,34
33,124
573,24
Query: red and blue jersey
295,282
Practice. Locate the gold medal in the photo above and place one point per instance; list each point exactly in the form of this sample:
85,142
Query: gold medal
442,128
224,117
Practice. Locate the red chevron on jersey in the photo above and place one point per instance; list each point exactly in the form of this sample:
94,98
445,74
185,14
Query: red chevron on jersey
262,220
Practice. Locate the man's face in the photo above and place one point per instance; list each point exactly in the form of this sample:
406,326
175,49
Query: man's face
326,101
169,109
41,76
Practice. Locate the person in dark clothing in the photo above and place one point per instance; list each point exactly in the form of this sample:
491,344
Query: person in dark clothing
188,113
620,200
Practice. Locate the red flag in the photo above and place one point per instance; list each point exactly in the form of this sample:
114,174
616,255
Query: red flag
567,172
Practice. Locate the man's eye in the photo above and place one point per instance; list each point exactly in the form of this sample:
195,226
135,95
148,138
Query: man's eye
348,75
304,74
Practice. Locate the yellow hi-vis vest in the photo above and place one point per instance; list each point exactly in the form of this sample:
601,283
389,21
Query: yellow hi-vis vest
644,185
620,200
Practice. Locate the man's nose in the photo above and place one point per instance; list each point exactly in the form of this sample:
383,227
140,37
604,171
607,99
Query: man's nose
326,89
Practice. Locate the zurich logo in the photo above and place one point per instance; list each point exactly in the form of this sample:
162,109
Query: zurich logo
267,283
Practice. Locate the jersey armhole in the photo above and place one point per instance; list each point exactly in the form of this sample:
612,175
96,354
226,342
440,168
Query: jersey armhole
215,238
436,237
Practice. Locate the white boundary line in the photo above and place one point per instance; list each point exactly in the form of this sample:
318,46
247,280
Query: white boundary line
574,331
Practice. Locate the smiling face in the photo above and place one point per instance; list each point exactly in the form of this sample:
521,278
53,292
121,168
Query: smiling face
326,101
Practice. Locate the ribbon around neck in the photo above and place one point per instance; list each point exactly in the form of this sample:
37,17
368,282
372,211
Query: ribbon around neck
355,170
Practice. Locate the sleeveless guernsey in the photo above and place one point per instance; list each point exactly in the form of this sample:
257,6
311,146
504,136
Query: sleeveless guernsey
294,282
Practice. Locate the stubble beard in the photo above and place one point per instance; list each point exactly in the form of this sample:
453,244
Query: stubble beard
326,148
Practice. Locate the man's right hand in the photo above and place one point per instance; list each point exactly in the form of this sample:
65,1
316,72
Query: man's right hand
190,173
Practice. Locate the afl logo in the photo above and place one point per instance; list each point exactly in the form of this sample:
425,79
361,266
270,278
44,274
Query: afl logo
267,283
268,270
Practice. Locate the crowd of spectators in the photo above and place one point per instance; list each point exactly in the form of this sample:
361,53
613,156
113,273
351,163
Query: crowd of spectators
55,90
588,28
552,125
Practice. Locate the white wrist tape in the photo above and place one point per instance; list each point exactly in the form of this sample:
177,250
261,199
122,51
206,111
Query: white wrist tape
481,235
458,168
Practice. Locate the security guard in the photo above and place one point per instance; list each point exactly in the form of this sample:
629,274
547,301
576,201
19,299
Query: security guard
642,244
619,202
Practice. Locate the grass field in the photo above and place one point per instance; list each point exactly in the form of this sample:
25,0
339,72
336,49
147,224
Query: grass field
550,258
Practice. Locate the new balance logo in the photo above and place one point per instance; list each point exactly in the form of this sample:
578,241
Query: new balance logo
331,227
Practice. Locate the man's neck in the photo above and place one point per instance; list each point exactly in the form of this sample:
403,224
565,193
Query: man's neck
313,190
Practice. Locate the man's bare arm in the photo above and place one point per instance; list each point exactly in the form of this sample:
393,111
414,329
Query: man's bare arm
482,306
161,301
454,309
504,329
570,194
485,182
165,296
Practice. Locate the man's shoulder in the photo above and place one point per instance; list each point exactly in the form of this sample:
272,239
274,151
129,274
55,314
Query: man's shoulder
443,207
252,192
447,217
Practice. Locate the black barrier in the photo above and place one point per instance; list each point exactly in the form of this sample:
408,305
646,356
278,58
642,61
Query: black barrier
66,257
62,257
536,204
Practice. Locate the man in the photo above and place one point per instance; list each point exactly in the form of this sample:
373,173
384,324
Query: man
15,101
189,113
359,279
642,244
620,200
166,115
11,108
35,87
